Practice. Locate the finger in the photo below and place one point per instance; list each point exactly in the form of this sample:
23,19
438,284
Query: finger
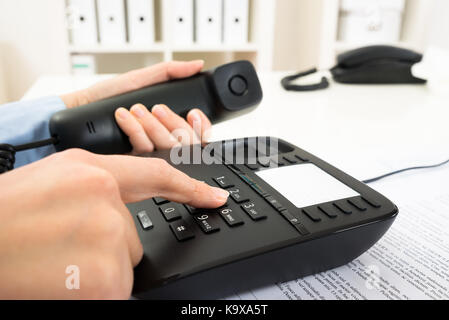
140,78
144,178
175,124
133,129
200,123
161,137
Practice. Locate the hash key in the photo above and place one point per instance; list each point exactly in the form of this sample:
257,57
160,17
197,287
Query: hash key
181,230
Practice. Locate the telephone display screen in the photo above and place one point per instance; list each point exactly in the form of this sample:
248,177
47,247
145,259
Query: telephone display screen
306,184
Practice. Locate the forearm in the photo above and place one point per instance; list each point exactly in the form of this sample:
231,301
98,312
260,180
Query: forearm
27,121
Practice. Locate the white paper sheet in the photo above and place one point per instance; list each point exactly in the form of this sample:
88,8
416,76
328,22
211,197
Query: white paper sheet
410,262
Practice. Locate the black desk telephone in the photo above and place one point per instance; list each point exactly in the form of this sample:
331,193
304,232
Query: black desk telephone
368,65
289,214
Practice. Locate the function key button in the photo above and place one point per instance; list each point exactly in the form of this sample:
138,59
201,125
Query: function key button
371,202
251,210
237,196
291,218
291,159
232,218
223,182
181,230
301,229
274,203
252,166
159,201
301,158
357,203
171,211
145,220
330,212
207,222
312,214
343,208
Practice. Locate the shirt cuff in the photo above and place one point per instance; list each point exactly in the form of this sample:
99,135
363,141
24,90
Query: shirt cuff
27,121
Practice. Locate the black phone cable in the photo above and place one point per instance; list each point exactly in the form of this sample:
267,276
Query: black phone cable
368,181
8,152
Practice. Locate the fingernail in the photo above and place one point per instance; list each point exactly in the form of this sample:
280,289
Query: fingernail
138,111
159,111
198,62
122,113
195,117
220,194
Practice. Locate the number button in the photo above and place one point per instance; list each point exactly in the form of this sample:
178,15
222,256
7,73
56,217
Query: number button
231,218
171,211
250,209
207,222
159,201
223,182
236,195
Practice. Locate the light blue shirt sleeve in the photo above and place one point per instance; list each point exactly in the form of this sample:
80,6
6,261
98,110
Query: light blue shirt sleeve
27,121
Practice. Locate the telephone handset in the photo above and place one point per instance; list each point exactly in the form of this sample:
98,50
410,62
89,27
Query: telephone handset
222,93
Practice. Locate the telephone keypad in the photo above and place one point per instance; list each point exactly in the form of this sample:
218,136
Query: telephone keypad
209,220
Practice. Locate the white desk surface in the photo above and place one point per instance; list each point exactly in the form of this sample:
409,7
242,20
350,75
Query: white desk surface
356,122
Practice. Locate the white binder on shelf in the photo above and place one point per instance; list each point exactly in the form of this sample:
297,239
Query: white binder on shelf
236,17
111,21
82,22
209,22
183,22
141,21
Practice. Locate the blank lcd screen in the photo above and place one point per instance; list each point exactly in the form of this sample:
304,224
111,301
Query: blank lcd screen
306,184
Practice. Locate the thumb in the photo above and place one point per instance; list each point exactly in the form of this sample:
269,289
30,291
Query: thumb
143,178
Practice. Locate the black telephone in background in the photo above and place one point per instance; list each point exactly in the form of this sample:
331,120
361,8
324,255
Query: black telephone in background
368,65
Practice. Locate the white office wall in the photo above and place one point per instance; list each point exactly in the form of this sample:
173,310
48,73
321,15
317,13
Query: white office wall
439,29
33,42
298,30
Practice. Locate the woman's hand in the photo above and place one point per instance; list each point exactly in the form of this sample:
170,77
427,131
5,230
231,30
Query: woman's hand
148,131
76,217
